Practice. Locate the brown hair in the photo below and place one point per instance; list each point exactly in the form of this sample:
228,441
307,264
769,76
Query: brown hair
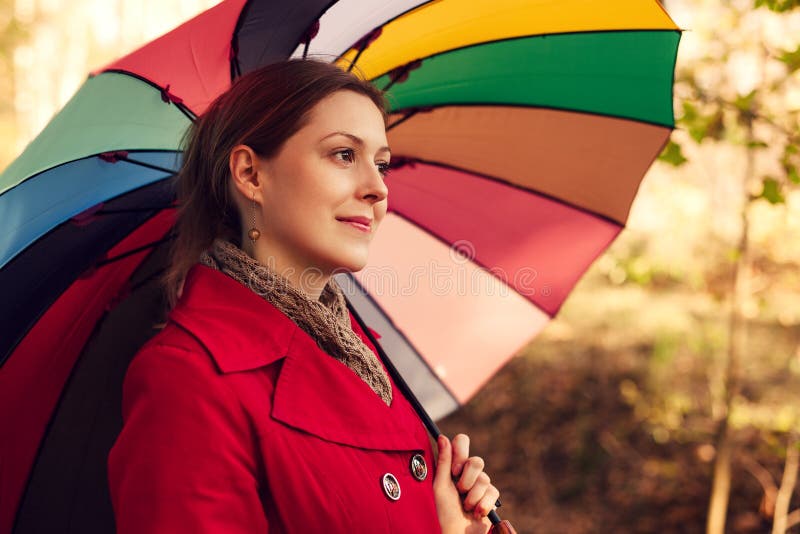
261,109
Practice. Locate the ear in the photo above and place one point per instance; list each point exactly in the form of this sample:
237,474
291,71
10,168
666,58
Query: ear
246,173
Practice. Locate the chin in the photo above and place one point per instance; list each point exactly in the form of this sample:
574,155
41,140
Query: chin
350,266
349,262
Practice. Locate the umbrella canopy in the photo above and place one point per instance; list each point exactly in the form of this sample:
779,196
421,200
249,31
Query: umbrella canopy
520,131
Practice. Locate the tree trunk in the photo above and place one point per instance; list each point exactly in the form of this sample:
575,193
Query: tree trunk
721,485
788,482
737,335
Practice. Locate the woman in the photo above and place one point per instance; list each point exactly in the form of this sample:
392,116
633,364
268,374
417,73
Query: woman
261,405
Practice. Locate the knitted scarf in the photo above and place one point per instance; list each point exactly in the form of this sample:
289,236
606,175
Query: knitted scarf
326,320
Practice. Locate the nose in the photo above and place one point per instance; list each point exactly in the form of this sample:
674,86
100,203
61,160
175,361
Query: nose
373,186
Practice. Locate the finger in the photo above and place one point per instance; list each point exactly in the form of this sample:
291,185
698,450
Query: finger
473,467
487,503
476,492
445,459
460,452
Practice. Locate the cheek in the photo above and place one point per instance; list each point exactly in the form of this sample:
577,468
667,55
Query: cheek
309,192
380,212
324,186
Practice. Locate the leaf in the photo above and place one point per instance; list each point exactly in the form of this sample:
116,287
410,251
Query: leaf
689,112
789,163
702,126
745,102
792,59
772,191
793,175
778,5
757,144
672,154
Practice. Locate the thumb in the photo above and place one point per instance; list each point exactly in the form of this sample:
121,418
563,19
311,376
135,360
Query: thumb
443,464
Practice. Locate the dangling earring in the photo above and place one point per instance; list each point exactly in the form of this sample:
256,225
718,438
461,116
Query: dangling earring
254,233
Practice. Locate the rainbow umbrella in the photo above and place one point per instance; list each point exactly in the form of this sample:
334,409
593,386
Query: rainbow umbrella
520,131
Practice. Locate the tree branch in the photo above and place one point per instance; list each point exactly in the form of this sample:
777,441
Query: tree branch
784,497
764,478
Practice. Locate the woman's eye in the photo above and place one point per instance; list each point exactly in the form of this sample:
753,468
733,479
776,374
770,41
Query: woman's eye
349,153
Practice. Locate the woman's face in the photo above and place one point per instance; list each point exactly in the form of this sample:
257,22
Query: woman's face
330,170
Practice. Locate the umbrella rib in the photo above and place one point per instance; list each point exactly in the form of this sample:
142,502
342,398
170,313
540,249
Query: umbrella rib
147,279
134,210
358,55
136,250
170,172
403,119
392,81
234,60
235,67
298,43
181,107
418,6
363,44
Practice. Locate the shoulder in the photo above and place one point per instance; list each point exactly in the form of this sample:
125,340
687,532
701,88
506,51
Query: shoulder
172,363
171,351
172,385
175,368
176,340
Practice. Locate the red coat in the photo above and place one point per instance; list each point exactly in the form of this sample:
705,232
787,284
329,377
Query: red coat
235,421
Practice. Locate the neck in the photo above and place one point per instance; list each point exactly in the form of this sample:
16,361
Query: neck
309,280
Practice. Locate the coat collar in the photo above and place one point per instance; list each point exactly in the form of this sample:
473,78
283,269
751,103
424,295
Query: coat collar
239,329
314,392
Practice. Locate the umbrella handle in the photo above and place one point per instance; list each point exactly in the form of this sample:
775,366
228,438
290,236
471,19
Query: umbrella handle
501,527
498,525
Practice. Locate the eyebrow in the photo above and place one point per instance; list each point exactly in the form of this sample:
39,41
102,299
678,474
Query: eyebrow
357,140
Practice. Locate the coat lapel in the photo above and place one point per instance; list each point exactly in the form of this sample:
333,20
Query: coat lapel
320,395
314,392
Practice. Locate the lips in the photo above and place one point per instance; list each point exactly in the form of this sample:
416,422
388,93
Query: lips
362,223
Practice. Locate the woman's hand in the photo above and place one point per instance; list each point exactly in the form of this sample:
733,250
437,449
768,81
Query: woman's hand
454,463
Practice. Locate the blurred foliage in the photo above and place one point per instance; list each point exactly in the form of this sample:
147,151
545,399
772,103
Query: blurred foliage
673,154
12,32
778,5
772,190
713,113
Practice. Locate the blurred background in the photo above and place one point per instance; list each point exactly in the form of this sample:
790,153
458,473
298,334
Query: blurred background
665,397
